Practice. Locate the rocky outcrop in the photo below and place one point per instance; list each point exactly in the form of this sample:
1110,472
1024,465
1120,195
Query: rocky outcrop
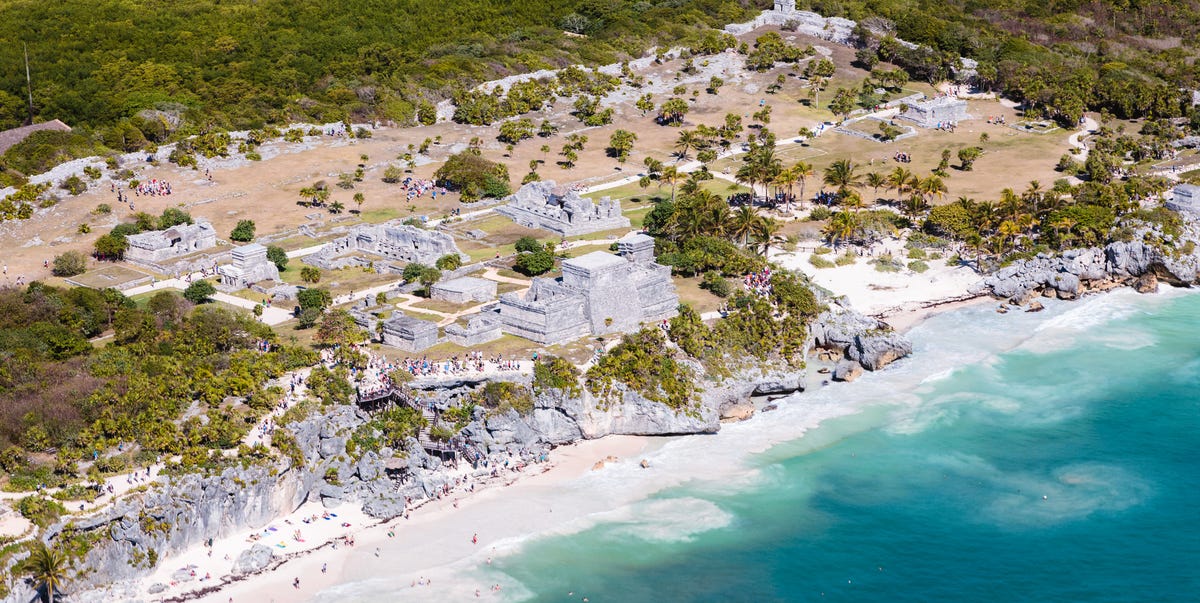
252,560
1075,271
868,341
631,413
847,370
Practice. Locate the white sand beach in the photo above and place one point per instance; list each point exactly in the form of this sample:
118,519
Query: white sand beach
436,533
903,298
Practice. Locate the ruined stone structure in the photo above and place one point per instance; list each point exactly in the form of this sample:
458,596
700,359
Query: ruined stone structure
408,333
480,328
464,290
1185,198
250,265
834,29
160,245
599,293
637,247
931,112
546,206
388,246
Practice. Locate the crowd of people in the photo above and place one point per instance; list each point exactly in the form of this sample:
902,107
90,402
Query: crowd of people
758,282
415,188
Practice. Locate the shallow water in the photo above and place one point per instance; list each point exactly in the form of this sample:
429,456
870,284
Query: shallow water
1038,457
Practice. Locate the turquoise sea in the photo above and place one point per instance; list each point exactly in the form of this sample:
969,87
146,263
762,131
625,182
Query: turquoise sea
1025,457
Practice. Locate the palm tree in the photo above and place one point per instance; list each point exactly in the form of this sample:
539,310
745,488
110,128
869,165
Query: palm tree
900,179
802,171
931,186
1008,230
49,567
840,227
741,226
876,181
841,175
688,140
765,231
851,200
672,175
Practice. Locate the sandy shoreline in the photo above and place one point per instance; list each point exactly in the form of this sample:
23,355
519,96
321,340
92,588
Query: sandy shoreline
306,560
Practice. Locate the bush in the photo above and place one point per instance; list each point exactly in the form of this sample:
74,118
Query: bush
69,264
846,259
528,244
310,274
918,266
102,210
74,185
554,373
822,250
916,253
277,256
820,213
243,232
820,262
314,299
199,292
450,261
716,284
534,263
473,176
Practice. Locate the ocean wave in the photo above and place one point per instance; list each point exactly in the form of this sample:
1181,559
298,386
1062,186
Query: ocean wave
666,520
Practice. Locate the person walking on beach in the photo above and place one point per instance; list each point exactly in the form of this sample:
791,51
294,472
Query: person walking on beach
475,539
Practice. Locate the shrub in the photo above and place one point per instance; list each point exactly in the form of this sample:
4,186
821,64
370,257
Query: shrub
820,262
199,292
74,185
846,259
916,253
450,261
822,250
820,213
528,244
918,266
277,256
102,210
716,284
310,274
69,264
535,263
552,372
243,232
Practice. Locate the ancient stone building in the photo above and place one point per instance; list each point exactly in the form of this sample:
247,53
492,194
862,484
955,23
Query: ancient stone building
161,245
1185,198
250,265
547,206
929,113
388,246
834,29
480,328
637,247
599,293
464,290
409,333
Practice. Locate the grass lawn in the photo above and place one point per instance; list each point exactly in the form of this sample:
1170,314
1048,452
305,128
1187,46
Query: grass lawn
701,300
438,305
502,288
379,215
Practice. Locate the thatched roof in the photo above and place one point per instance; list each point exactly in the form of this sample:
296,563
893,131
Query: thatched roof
10,138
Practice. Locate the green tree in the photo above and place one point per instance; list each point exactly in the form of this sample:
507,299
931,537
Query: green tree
620,144
843,103
672,111
199,292
534,263
243,232
473,176
314,299
277,256
48,567
69,263
450,261
527,244
337,327
310,274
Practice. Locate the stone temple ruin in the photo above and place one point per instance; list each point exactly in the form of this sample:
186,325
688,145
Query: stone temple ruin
546,206
408,333
599,293
834,29
1185,198
388,246
480,328
931,112
464,290
177,241
250,265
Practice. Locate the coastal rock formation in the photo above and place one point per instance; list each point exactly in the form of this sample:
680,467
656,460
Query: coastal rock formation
1076,271
847,370
633,414
252,560
868,341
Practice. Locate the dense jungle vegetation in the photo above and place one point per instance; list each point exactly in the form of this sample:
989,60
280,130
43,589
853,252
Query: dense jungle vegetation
241,63
61,395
